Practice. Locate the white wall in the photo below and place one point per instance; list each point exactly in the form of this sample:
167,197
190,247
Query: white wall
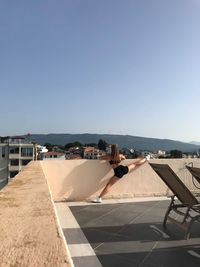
84,179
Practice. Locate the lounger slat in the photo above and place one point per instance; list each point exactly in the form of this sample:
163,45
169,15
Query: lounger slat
189,203
175,184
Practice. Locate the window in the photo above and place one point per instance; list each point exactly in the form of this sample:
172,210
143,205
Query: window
3,152
26,151
14,162
14,150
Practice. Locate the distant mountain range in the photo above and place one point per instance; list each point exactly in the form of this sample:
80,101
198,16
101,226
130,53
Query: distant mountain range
128,141
195,143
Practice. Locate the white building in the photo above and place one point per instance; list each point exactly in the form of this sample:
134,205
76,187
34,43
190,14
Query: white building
145,153
53,155
40,151
161,153
15,152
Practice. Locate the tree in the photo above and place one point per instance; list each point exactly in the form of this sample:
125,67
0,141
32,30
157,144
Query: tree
176,154
91,144
102,144
74,144
49,146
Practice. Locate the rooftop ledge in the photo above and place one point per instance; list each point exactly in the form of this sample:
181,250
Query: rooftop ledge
30,232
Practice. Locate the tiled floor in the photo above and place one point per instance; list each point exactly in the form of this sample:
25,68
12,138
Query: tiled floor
130,234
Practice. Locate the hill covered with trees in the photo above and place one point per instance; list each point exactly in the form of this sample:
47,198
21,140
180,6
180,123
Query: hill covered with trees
128,141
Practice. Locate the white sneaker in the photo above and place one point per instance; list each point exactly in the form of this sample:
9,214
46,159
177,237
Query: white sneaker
148,157
97,200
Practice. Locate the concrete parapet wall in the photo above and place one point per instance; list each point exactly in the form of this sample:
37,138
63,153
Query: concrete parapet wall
29,232
74,180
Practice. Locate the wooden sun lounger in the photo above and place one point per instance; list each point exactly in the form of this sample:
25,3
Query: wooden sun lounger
189,206
195,172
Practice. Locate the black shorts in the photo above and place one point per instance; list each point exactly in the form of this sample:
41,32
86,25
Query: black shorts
120,171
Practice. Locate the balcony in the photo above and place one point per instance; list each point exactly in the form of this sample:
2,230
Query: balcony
14,156
14,168
47,219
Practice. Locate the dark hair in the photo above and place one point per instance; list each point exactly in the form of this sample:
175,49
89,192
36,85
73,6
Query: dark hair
114,151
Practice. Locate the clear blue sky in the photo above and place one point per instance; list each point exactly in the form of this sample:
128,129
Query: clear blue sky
108,66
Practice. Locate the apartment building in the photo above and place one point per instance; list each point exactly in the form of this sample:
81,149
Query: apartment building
15,152
92,153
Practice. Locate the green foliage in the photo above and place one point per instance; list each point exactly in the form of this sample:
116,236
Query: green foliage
53,147
49,146
128,154
91,144
139,143
161,157
176,154
102,145
74,144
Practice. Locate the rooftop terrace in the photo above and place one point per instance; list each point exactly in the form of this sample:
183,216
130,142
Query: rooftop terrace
126,234
43,222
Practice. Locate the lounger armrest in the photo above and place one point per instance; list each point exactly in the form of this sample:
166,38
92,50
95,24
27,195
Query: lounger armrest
197,205
182,206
